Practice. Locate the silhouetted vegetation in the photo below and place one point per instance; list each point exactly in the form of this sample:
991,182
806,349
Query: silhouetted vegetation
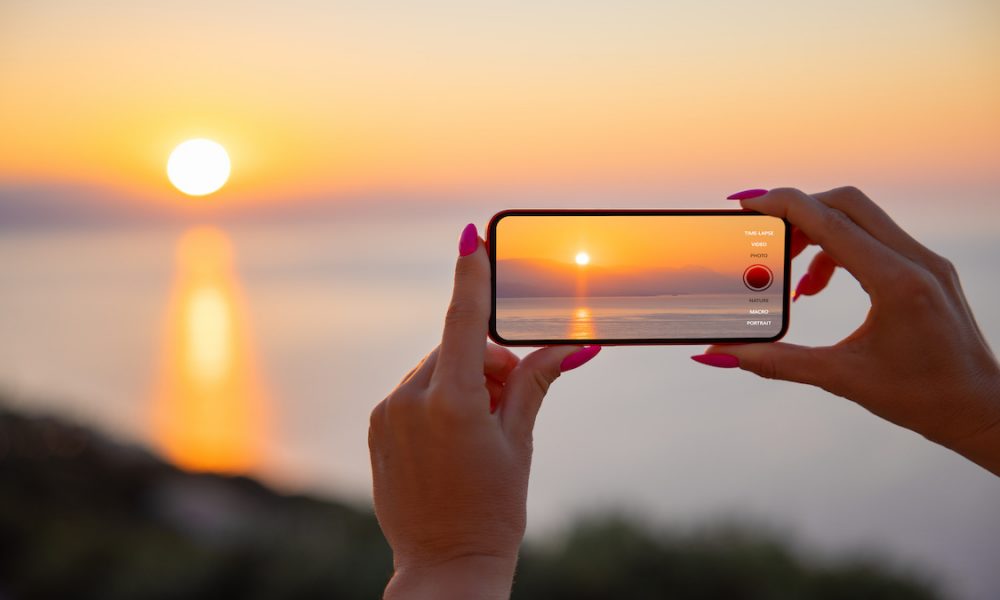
83,517
617,557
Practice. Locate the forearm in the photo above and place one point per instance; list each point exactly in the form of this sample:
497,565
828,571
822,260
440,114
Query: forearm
464,578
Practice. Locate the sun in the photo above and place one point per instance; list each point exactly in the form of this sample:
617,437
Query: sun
198,167
582,258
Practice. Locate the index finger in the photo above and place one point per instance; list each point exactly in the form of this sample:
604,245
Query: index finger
463,344
869,260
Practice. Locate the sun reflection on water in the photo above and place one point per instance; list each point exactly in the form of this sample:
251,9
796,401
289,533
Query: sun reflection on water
209,406
581,326
208,322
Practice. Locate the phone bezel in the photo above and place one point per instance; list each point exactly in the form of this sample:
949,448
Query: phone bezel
522,212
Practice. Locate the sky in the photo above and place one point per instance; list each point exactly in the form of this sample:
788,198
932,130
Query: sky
472,107
341,100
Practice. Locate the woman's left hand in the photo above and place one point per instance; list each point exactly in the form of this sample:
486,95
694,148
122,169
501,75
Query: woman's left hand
451,449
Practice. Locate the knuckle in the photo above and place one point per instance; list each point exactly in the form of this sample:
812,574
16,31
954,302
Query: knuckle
467,269
787,195
941,267
766,367
541,381
849,193
786,191
464,311
377,415
540,376
846,199
375,425
836,222
450,404
916,287
398,407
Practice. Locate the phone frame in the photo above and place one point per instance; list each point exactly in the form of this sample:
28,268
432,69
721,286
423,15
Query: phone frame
527,212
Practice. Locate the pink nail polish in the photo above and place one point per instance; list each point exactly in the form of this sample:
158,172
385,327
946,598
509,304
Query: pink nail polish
578,358
724,361
747,194
469,240
802,284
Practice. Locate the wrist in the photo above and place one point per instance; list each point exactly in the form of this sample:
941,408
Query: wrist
470,577
981,442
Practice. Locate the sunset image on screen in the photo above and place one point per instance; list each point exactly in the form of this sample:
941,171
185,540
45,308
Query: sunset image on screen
630,277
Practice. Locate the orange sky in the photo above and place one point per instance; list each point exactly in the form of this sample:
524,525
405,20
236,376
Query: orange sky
321,98
718,243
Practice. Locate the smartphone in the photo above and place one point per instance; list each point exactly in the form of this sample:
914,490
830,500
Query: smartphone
632,277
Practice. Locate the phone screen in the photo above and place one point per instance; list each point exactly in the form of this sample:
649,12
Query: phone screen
638,277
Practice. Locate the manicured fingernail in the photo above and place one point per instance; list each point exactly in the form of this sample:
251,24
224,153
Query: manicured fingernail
802,284
578,358
494,403
469,241
746,194
725,361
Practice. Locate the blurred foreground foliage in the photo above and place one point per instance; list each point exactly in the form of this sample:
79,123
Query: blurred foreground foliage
84,517
616,557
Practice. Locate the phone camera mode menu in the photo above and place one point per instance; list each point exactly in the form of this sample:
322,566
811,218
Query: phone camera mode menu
758,277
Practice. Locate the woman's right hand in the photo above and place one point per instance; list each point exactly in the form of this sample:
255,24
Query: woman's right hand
919,359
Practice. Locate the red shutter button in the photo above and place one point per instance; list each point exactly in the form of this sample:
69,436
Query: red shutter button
758,278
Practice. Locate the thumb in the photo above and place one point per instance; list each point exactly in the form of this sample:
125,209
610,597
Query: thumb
528,383
776,360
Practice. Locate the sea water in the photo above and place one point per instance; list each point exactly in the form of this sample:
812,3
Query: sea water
703,316
339,311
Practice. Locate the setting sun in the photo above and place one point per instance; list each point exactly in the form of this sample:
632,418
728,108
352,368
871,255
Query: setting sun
198,167
582,258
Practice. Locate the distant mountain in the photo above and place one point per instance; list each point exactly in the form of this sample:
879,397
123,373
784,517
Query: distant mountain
47,204
526,278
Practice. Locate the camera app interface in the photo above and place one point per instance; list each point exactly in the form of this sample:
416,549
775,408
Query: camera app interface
639,277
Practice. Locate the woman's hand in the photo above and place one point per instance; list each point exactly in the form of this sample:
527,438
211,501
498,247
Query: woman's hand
451,449
919,359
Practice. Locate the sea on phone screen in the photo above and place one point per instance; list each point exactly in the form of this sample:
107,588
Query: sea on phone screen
637,317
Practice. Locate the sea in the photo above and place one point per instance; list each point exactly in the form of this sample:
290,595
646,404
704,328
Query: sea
323,318
685,316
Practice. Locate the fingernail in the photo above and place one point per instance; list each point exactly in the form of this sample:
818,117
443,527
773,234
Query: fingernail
747,194
469,241
724,361
578,358
494,403
798,288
